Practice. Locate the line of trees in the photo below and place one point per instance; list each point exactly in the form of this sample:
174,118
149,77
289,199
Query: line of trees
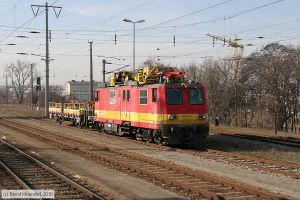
261,90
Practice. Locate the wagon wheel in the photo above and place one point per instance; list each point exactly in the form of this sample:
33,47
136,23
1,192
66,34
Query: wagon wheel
99,127
147,135
157,137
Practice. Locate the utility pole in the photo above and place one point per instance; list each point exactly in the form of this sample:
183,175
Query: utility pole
91,72
12,87
103,71
133,56
47,65
6,84
31,74
57,13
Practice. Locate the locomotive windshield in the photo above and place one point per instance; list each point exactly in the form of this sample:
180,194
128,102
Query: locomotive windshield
174,96
196,96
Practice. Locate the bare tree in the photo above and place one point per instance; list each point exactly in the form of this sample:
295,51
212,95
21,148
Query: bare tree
193,72
274,71
152,62
20,76
56,93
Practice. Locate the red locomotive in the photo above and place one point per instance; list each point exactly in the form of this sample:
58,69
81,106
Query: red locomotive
158,106
155,104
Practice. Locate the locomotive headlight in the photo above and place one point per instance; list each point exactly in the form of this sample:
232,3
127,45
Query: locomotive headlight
171,116
203,116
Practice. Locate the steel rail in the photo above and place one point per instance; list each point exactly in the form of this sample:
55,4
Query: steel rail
11,173
284,142
69,181
15,177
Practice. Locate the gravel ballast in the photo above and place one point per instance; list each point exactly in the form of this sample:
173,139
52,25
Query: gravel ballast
271,182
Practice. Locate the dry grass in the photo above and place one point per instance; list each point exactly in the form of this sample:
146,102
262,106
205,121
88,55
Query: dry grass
253,131
19,110
254,148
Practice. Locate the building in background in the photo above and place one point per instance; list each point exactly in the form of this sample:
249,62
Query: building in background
79,90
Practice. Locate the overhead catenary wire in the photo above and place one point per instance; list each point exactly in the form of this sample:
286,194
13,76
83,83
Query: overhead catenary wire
84,8
230,16
125,41
12,32
182,55
178,17
120,13
8,11
213,20
267,26
189,14
24,24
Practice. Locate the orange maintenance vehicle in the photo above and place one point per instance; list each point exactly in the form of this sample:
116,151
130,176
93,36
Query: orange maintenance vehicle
156,105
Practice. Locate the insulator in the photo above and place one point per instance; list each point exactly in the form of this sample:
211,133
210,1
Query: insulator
115,39
174,41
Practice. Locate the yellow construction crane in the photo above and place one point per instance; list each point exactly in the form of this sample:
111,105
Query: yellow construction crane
232,43
237,55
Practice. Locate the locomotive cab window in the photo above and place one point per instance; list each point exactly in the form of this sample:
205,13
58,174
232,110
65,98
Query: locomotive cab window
143,96
174,96
97,96
123,95
112,97
128,95
196,96
154,94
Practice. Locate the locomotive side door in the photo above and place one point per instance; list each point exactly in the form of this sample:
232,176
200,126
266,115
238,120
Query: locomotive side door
125,105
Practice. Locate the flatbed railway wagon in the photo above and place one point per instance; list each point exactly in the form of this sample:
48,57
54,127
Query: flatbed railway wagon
55,109
80,114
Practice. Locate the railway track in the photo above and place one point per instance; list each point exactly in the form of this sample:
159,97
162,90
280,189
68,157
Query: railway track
269,166
290,170
181,180
8,180
21,171
284,142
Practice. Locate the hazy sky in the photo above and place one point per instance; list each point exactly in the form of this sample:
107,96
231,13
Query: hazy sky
99,21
